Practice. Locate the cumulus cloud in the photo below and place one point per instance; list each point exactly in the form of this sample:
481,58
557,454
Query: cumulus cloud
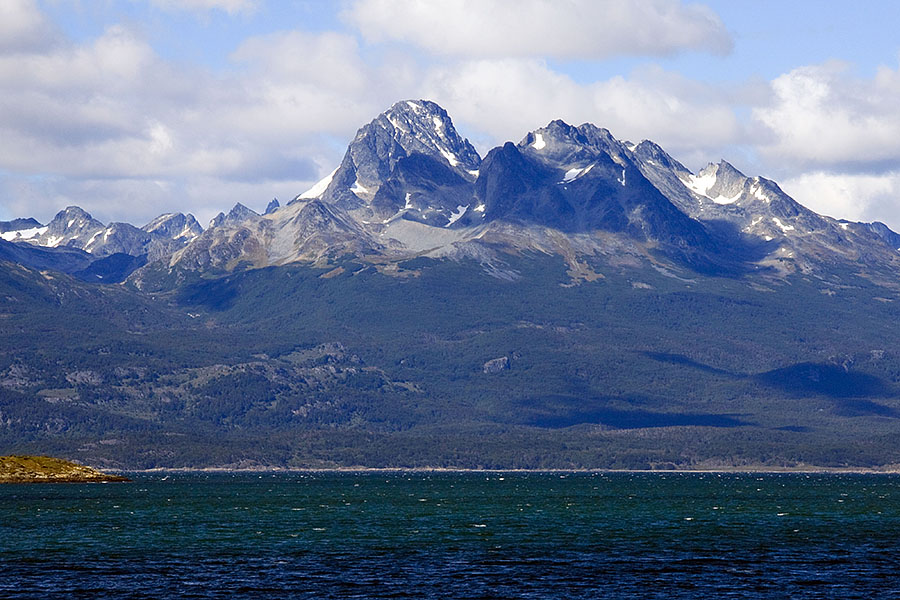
326,59
592,29
106,123
507,98
110,118
823,116
23,27
297,82
855,197
111,125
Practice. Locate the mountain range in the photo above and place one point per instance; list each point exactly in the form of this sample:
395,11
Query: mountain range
571,300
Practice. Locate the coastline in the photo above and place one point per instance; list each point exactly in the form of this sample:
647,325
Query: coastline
18,469
807,470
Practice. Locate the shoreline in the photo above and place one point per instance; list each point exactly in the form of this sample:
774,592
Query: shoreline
421,470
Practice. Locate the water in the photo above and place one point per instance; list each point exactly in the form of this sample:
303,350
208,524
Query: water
454,535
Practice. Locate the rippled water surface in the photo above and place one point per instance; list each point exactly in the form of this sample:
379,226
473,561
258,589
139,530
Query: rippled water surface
453,535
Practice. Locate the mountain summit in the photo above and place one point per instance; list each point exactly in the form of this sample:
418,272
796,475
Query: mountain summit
409,162
410,185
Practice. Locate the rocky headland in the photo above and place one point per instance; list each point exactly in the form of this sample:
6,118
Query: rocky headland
45,469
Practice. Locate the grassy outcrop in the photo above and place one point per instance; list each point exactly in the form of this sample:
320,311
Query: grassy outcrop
45,469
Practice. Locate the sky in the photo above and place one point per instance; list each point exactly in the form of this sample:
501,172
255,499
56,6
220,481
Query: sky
133,108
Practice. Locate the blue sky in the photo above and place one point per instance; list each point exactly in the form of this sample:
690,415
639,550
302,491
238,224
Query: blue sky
131,108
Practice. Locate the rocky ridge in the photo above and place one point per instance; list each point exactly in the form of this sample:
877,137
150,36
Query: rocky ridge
409,185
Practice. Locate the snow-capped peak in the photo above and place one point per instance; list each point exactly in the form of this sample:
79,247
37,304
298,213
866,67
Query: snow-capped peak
562,144
703,181
423,126
721,183
319,188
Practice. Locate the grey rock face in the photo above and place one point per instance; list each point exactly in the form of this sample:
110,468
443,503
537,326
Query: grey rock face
174,226
238,215
272,206
496,365
76,228
410,163
581,180
410,185
19,225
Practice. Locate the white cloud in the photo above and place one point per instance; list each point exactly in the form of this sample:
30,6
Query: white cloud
592,29
848,196
679,114
139,200
81,123
111,125
23,28
231,7
326,59
825,116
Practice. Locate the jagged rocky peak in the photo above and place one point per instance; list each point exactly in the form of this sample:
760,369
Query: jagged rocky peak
890,237
73,219
235,217
174,226
19,225
421,126
725,185
408,163
76,228
651,153
19,230
72,226
407,129
272,206
565,144
721,183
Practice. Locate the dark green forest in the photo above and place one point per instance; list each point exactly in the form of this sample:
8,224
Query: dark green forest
282,367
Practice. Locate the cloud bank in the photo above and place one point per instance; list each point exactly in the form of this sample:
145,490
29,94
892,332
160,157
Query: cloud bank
109,123
585,29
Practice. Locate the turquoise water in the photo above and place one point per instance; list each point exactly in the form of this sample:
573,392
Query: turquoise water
454,535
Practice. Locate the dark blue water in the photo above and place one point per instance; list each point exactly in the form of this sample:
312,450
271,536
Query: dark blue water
377,535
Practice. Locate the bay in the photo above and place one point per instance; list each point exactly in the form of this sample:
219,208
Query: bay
455,535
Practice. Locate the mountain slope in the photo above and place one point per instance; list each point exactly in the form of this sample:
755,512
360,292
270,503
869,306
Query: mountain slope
789,236
577,302
410,185
316,366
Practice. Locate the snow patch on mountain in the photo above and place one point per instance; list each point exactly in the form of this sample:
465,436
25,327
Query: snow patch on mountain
358,188
319,188
93,239
705,181
702,182
759,194
23,234
457,214
782,226
576,172
451,158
